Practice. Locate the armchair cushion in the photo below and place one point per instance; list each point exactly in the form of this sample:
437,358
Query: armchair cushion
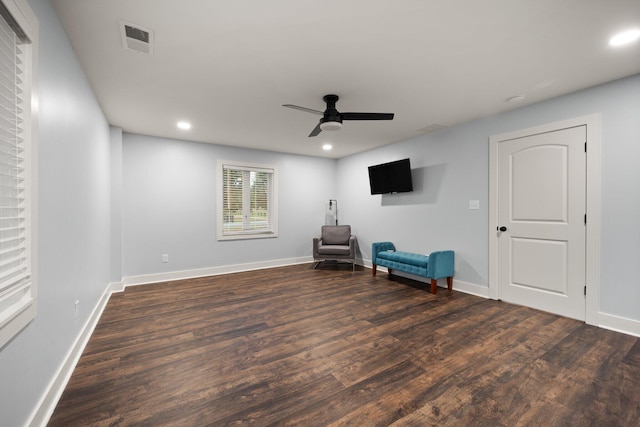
334,250
336,234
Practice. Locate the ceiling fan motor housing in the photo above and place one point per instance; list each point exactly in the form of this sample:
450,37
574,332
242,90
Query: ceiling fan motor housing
332,119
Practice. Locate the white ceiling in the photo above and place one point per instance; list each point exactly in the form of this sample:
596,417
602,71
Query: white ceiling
228,66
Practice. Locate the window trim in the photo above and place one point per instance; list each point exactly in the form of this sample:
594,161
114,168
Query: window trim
19,15
220,234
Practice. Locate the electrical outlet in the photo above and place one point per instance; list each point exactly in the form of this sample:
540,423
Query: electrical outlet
165,257
474,204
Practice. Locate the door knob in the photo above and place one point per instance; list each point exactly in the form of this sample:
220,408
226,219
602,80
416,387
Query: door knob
503,228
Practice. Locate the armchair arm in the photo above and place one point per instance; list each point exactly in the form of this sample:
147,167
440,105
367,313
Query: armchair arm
352,246
380,247
317,241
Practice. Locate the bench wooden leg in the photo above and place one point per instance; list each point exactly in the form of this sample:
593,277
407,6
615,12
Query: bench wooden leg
434,286
450,283
373,270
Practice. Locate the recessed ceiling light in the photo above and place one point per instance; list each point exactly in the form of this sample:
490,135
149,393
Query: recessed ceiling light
625,37
327,147
184,125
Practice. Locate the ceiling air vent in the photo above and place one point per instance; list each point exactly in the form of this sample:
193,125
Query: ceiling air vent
136,38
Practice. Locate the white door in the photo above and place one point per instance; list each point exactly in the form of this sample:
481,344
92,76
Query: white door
541,221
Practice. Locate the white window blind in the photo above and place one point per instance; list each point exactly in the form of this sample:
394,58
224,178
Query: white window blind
246,201
17,294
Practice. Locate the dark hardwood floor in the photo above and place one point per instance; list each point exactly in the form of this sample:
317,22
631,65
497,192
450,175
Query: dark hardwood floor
304,347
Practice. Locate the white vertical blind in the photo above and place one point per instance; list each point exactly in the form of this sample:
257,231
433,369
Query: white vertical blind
16,293
247,201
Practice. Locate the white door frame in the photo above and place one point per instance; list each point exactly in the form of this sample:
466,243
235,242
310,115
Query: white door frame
592,275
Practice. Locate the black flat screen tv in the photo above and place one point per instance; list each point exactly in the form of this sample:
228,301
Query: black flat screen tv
392,177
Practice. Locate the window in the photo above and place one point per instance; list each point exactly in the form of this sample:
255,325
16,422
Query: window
247,201
18,33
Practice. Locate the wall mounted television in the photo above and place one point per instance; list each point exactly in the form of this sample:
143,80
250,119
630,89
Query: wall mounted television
392,177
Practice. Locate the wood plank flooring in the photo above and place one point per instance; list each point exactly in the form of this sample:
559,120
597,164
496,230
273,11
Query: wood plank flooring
304,347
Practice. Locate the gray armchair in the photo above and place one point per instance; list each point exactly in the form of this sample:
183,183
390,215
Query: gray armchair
336,243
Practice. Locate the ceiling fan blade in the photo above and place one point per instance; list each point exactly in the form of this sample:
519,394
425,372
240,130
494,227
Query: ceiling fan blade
316,130
366,116
308,110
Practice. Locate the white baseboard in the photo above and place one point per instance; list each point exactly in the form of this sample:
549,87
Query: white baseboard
41,415
619,324
471,288
116,287
211,271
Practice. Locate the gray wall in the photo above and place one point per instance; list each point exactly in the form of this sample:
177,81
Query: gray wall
73,214
169,193
450,168
116,204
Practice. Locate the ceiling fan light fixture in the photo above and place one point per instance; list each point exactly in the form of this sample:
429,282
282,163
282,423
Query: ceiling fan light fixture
331,126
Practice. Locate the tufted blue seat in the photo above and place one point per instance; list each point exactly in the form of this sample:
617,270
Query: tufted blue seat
405,258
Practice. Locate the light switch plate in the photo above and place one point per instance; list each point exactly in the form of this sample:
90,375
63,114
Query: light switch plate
474,204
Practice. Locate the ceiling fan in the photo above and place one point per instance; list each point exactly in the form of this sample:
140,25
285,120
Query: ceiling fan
332,118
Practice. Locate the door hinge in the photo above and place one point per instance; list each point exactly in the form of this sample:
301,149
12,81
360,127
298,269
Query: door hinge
585,147
585,291
585,219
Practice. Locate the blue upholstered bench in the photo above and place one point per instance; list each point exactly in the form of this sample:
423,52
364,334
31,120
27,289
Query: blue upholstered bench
434,266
